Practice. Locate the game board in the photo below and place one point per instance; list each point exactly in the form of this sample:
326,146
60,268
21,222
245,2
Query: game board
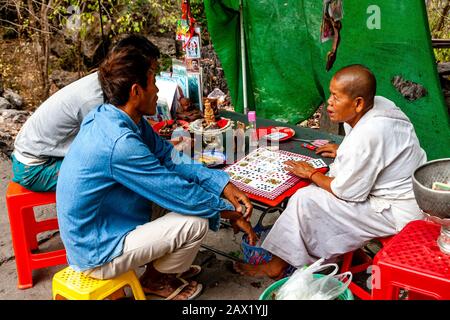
262,172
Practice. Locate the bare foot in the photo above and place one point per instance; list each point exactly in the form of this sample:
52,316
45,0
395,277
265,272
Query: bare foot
251,270
189,291
273,269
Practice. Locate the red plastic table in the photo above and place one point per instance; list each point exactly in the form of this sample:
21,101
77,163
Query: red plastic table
412,261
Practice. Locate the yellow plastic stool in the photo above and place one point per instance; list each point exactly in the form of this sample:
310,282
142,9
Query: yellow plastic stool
74,285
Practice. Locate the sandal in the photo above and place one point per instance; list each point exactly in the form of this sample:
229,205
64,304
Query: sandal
194,295
177,291
191,272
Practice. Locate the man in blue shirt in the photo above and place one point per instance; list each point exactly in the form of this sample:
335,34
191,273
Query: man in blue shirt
117,167
46,136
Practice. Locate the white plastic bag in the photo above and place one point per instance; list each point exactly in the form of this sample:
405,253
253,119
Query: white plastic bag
302,285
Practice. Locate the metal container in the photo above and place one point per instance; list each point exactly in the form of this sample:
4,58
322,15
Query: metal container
434,203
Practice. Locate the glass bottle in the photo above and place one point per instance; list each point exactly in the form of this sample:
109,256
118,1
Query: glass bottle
253,136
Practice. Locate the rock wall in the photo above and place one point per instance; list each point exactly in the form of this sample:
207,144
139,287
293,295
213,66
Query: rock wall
12,117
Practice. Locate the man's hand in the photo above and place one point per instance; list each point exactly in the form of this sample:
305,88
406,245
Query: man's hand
176,140
244,225
299,168
236,197
180,139
240,224
328,150
182,143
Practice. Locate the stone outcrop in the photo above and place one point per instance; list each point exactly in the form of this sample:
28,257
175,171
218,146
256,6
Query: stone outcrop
5,104
11,120
14,98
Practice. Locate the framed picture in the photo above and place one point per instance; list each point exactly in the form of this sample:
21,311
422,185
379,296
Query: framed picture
168,92
165,74
193,64
195,89
179,73
201,81
182,82
178,68
193,48
162,112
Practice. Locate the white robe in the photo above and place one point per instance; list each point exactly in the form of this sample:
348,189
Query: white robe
372,190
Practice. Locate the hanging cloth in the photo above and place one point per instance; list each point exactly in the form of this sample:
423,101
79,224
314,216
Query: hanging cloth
331,27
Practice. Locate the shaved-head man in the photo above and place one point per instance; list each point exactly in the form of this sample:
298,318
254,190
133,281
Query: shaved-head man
358,81
368,193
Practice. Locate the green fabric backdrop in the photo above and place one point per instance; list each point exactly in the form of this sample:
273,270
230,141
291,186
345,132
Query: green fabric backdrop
286,60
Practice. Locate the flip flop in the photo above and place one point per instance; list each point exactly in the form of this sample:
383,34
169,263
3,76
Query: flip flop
191,272
195,294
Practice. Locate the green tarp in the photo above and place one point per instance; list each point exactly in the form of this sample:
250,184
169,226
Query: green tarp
286,59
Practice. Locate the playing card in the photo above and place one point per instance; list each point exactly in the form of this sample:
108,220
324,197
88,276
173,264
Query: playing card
262,172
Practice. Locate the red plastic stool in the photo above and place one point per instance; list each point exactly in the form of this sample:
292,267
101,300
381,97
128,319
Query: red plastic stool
414,262
24,231
367,261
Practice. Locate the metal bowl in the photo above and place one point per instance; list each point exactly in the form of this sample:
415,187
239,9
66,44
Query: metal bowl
433,202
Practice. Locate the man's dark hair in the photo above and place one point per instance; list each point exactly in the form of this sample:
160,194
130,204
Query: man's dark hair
138,42
126,64
359,81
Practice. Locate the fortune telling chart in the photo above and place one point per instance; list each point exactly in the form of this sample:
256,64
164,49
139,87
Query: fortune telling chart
262,172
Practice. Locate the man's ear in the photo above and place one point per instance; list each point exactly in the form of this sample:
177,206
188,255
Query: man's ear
360,104
135,90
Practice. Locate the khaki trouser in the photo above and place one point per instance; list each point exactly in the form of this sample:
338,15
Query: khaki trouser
171,241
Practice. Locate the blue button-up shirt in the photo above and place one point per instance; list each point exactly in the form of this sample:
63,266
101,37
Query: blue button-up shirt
112,173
